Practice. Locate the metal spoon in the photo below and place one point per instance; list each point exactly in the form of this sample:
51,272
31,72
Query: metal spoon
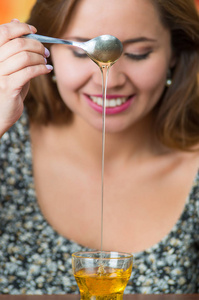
104,49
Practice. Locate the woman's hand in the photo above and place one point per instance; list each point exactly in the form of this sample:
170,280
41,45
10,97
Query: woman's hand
21,59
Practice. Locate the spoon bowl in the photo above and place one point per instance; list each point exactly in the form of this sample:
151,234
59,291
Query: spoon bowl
104,49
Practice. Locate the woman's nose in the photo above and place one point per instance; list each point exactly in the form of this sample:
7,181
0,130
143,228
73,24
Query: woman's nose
116,78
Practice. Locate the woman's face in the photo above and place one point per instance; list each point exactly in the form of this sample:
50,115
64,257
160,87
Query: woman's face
135,82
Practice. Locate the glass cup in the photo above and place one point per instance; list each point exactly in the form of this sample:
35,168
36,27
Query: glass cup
102,275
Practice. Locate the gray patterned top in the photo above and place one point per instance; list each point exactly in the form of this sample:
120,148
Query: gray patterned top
35,259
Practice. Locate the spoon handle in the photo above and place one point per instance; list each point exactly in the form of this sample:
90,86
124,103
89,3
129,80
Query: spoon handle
49,40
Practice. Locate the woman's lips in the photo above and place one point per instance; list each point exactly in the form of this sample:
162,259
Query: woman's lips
114,103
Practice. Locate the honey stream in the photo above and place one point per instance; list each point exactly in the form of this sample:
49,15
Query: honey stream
104,68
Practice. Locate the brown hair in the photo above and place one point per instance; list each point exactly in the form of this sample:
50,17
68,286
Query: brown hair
177,118
177,113
43,102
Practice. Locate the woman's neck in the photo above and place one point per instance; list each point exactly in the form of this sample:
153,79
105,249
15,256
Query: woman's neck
80,141
136,141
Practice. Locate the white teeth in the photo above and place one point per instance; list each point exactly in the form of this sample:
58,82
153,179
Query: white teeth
119,101
99,101
109,103
112,103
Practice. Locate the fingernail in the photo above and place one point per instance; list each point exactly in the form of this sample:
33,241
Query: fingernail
45,60
49,67
47,52
32,29
15,20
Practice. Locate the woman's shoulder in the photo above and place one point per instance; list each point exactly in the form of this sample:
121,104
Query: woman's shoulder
191,162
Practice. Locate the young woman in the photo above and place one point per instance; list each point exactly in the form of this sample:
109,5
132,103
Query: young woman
50,158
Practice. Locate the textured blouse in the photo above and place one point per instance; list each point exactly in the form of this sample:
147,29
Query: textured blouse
35,259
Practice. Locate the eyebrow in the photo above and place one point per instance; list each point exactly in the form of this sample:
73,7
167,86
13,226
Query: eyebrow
138,40
129,41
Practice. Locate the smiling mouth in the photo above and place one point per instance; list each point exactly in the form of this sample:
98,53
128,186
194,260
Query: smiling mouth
114,102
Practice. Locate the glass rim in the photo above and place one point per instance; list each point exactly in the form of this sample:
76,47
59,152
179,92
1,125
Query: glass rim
116,255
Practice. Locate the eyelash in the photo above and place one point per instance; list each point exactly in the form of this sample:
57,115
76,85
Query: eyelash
129,55
138,56
80,55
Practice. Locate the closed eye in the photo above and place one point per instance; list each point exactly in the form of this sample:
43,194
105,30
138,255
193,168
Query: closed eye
79,54
138,56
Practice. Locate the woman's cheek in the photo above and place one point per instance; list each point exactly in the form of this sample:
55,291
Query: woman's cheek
72,75
70,71
150,75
